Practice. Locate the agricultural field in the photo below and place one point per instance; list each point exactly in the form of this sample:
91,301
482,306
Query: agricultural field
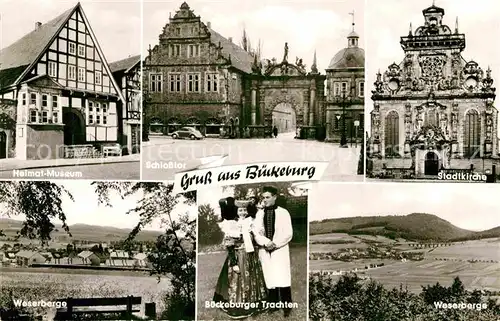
344,241
52,284
441,264
486,249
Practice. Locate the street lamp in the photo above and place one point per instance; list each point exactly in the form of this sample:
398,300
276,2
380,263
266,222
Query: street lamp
343,137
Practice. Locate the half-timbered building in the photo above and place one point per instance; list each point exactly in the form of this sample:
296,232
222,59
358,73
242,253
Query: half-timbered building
58,96
127,73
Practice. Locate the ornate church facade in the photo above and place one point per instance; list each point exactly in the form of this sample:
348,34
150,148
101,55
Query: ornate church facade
196,77
435,110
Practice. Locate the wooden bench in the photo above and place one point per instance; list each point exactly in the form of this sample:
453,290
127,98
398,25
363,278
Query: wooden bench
126,303
112,150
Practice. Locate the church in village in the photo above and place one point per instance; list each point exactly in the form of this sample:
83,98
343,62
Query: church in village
59,97
196,77
434,111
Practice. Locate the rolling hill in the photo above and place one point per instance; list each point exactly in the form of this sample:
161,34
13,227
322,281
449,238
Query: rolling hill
91,233
415,227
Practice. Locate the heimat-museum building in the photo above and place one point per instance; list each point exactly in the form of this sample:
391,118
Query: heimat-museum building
58,97
196,77
433,111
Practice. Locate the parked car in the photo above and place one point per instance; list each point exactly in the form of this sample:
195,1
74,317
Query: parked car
187,132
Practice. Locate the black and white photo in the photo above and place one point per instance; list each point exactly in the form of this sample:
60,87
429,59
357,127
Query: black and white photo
252,252
70,100
407,251
243,82
432,74
82,250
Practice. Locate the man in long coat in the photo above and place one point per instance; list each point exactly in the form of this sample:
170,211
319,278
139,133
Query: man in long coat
274,232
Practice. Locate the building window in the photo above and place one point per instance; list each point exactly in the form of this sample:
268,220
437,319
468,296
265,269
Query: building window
71,72
97,111
361,89
72,48
174,50
336,89
472,131
24,99
193,84
45,101
193,50
45,116
54,102
392,134
343,88
175,82
177,31
81,50
81,74
212,82
98,77
55,117
156,82
33,116
33,99
52,69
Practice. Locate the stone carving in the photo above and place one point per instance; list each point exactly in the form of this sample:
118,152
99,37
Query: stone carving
393,78
285,55
488,82
454,122
379,84
432,67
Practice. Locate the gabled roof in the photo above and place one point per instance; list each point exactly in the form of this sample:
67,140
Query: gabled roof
25,50
125,64
240,59
141,256
25,254
85,254
119,254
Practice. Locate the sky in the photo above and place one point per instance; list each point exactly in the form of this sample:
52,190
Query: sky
468,206
116,23
320,25
388,20
85,208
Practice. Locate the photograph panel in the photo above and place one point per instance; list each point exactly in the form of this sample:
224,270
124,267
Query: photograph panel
243,82
407,252
83,250
252,257
432,85
70,90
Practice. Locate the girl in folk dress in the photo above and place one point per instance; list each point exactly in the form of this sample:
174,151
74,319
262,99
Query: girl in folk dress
244,287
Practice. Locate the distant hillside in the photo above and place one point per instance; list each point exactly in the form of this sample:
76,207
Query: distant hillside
91,233
416,227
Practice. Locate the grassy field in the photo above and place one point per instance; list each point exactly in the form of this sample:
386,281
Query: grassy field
488,249
48,286
209,266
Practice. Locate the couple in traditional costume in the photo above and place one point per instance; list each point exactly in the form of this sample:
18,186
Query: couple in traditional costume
256,275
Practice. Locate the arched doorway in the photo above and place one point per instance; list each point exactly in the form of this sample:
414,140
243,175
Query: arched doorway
156,126
3,145
284,118
74,128
431,164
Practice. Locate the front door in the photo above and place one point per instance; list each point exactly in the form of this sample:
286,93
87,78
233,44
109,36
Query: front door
3,145
431,164
74,130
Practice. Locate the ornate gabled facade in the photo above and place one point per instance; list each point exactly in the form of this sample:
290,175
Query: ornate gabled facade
345,81
58,96
127,73
434,110
196,77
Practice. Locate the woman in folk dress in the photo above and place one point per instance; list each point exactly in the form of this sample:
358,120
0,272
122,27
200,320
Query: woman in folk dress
244,286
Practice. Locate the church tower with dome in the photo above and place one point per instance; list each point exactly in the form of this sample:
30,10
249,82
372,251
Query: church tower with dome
345,87
433,112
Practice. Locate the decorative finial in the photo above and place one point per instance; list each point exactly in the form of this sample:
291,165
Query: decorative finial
433,3
353,23
456,25
314,67
410,33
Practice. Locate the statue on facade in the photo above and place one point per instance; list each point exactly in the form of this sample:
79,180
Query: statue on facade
285,55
